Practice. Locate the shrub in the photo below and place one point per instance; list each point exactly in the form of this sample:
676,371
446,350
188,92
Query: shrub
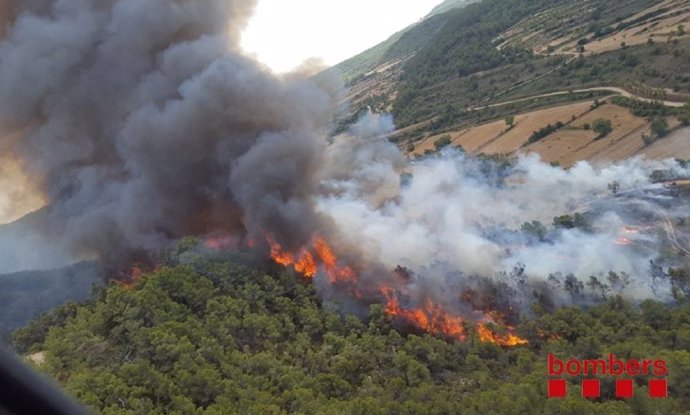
443,141
602,127
659,127
544,132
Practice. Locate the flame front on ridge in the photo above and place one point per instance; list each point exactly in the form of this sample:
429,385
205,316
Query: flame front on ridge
429,316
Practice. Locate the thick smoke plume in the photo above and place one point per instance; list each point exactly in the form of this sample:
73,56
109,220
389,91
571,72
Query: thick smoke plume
455,216
142,122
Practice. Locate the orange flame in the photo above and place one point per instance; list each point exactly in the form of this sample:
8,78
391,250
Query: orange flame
429,316
134,275
303,263
307,263
334,272
508,339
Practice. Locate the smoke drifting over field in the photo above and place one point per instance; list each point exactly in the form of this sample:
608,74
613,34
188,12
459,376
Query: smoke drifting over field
142,122
462,214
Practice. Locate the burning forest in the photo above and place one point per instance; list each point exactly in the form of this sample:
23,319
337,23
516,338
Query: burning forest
141,123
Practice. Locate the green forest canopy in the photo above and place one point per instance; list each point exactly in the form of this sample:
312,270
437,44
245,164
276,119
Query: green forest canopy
215,337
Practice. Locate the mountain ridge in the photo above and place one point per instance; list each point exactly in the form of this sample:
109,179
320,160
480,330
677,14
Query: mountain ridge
396,46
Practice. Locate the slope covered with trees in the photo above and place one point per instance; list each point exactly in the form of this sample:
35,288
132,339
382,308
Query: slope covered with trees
457,69
468,57
209,336
470,39
405,42
448,5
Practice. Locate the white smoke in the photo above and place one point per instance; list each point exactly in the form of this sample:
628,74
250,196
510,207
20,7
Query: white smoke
143,122
456,211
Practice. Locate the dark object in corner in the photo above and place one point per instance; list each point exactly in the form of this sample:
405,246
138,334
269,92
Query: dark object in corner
24,392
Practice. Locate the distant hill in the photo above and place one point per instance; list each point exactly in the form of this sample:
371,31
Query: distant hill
406,41
23,247
25,295
462,67
36,274
448,5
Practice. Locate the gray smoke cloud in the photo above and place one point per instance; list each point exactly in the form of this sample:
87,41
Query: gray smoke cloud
144,123
458,217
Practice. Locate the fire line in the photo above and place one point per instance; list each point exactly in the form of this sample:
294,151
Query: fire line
429,316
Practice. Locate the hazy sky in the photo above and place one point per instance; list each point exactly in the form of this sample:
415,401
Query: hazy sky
283,33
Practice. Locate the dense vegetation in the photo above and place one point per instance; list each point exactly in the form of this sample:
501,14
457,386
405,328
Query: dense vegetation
653,110
539,75
544,132
400,44
462,66
482,53
465,43
642,70
448,5
214,337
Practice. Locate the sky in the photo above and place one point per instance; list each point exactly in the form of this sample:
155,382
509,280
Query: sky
284,33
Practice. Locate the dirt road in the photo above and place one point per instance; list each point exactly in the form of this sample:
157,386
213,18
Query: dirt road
614,90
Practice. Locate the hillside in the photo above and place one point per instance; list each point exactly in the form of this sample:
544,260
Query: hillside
37,273
448,5
218,238
495,59
632,135
26,295
214,337
25,244
400,44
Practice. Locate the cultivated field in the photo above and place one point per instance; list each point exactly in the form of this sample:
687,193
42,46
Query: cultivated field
494,138
622,142
660,28
676,145
574,142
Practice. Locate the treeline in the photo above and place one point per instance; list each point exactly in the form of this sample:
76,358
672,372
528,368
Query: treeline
468,40
544,132
654,109
465,44
214,337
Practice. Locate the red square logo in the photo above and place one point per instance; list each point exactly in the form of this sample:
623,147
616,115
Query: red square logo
590,388
624,388
557,388
658,388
